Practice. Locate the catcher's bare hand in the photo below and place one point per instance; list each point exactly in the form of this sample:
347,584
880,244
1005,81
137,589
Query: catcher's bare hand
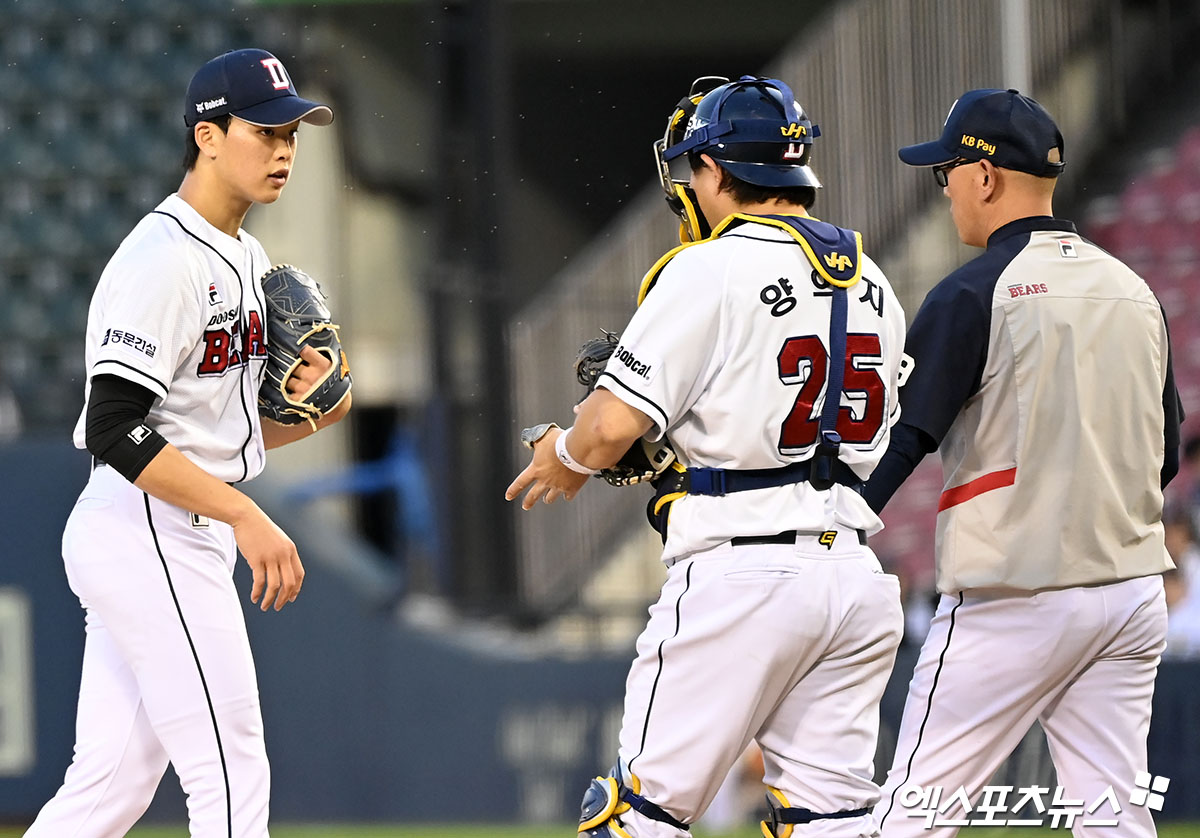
278,573
305,378
546,478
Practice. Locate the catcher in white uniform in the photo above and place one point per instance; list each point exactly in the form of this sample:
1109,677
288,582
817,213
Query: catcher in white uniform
1042,371
776,622
175,353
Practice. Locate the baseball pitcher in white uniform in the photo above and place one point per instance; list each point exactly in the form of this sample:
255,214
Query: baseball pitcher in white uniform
768,352
175,351
1042,372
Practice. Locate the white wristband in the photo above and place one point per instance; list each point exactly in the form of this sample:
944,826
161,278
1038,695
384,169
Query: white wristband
564,456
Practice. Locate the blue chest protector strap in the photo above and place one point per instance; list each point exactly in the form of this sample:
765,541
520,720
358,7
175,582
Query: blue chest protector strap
825,459
825,247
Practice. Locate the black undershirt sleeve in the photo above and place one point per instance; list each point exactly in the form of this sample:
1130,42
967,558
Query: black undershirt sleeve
907,447
114,428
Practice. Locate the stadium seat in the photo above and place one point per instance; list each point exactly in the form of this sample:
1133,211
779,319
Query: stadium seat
1188,158
88,92
1102,221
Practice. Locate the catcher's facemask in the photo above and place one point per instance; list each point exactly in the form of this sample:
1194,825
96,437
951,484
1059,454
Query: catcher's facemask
675,178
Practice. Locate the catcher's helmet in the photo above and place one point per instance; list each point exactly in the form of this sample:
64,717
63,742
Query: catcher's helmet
756,129
753,126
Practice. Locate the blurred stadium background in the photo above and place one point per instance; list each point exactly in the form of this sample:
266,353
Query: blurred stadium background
484,202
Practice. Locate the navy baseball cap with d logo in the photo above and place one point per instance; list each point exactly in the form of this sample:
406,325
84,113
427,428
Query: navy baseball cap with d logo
252,85
1011,130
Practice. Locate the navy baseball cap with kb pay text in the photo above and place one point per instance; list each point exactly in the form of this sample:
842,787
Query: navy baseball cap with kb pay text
1011,130
252,85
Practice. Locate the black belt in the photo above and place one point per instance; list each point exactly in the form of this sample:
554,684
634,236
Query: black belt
787,537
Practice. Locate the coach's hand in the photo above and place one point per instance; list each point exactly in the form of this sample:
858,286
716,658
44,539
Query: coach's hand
546,478
272,556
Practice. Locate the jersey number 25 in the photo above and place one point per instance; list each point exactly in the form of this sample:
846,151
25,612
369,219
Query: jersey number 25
805,361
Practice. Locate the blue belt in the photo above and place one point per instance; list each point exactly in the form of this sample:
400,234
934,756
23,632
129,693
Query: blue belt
719,481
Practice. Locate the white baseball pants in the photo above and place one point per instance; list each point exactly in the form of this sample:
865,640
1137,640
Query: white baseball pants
788,645
1081,661
167,672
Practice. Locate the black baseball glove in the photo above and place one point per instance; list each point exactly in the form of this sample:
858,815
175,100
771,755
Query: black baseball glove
297,316
644,461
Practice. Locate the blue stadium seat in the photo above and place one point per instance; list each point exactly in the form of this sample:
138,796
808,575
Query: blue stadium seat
84,39
16,86
90,97
23,156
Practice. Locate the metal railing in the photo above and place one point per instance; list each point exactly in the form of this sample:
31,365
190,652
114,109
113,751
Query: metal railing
874,74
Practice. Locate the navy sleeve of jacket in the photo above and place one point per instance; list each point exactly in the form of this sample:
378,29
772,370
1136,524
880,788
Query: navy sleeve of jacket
948,343
1173,417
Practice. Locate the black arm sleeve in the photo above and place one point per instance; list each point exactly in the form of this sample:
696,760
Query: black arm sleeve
907,447
115,429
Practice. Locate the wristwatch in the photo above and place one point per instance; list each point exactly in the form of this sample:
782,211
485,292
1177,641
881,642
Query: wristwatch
531,435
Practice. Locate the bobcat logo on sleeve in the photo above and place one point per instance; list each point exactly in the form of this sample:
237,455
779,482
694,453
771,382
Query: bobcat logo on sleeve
226,347
643,366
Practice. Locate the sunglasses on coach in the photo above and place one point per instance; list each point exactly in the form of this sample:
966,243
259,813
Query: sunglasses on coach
942,173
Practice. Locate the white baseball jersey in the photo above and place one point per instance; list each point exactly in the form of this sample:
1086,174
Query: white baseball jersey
737,326
179,310
167,670
790,642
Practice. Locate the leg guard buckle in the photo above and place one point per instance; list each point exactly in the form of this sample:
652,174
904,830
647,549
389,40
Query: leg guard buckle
782,818
607,797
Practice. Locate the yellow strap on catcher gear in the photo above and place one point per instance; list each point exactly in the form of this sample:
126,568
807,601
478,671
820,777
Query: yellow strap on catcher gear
601,804
738,218
608,808
651,276
785,830
817,262
680,113
670,497
783,817
689,223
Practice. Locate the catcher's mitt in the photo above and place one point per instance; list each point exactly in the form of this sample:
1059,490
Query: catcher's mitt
297,317
644,461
